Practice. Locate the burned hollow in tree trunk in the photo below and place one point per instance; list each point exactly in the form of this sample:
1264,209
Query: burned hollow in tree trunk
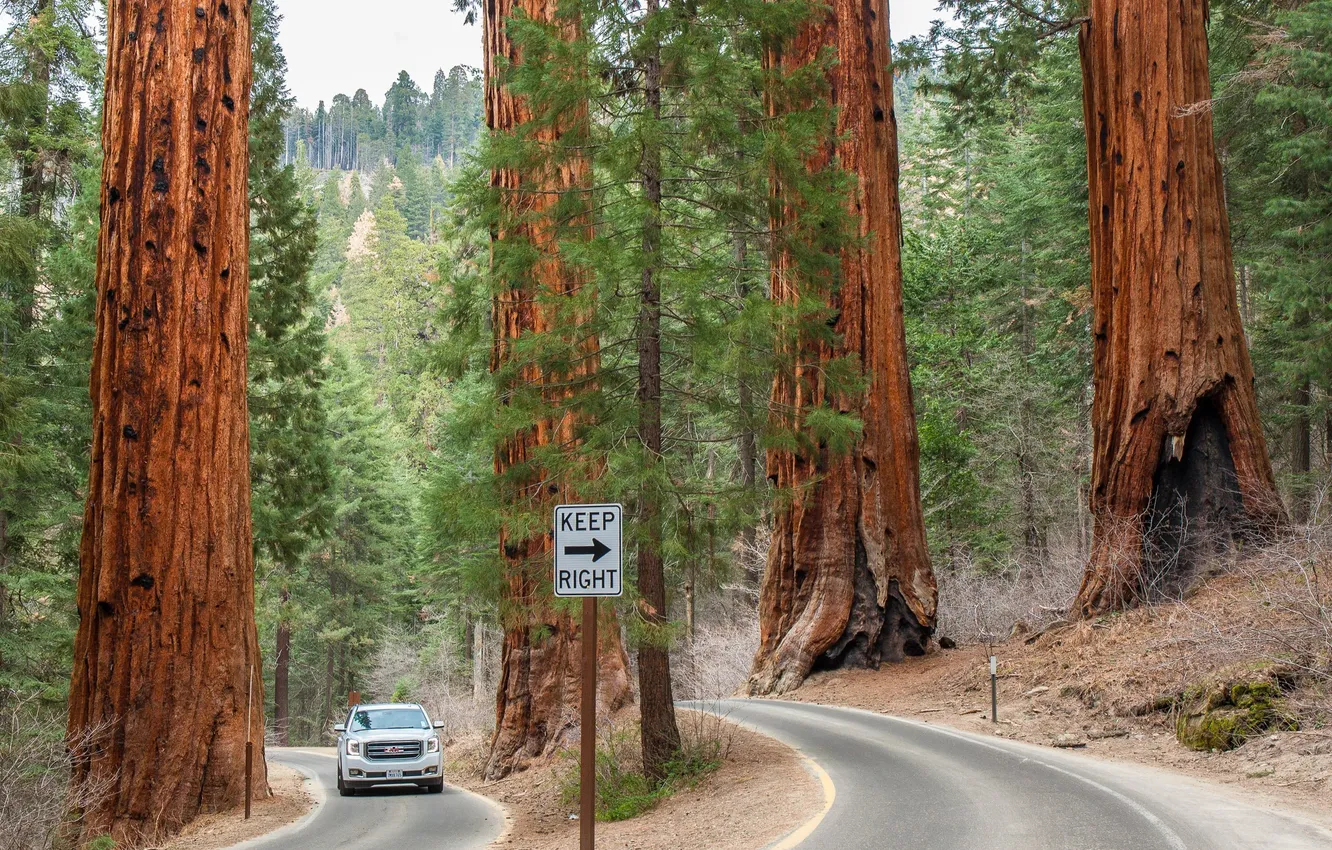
159,708
848,580
1179,459
542,202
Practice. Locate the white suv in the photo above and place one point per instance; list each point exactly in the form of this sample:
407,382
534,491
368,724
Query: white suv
393,743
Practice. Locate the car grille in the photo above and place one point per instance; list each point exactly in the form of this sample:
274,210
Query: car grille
392,750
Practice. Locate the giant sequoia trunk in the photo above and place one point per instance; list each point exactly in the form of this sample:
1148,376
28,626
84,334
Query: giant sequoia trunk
848,580
538,701
158,704
1178,451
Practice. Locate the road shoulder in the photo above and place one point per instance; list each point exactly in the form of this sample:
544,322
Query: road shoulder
764,792
295,799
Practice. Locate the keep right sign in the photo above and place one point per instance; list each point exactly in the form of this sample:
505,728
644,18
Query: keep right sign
589,543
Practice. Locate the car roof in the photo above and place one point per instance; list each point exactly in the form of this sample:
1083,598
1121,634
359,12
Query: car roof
384,705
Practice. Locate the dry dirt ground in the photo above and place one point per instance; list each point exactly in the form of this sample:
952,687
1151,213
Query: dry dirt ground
762,792
1091,686
289,803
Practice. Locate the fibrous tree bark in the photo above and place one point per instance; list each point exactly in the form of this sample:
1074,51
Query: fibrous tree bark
538,703
848,580
1179,457
166,641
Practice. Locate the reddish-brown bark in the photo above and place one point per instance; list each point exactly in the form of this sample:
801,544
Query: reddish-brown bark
166,634
538,703
1178,449
848,579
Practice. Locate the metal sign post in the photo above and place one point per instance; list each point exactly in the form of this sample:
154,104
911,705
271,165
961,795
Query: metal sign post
587,763
589,543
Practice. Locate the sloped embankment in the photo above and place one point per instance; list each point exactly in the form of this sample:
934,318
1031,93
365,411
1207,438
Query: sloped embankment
1231,684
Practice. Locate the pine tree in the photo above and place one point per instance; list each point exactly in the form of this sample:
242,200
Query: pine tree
1292,179
48,66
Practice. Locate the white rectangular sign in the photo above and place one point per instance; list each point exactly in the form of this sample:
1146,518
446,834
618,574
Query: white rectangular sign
588,546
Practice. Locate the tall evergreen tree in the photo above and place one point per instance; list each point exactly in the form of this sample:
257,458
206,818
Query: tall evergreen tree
49,71
546,365
167,648
1179,452
849,580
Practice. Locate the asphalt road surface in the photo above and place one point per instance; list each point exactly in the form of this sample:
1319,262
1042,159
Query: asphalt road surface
384,817
908,785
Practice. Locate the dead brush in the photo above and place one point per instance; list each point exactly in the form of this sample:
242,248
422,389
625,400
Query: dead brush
979,606
38,807
1274,615
425,669
715,662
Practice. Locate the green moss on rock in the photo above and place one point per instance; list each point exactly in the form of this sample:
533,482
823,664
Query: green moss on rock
1222,717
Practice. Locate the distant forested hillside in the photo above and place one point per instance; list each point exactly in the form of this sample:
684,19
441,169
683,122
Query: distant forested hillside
354,133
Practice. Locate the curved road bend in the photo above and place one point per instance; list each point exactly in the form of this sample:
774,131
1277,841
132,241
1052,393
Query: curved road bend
382,817
908,785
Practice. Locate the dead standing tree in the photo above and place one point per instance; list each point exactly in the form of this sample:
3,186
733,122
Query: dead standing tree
848,580
1178,452
541,203
166,633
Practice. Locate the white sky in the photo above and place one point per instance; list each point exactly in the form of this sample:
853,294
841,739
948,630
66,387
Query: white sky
338,46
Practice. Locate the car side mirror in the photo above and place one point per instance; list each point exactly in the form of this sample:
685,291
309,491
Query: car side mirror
341,727
439,724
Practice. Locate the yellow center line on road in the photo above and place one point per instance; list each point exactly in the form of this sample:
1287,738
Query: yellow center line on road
829,796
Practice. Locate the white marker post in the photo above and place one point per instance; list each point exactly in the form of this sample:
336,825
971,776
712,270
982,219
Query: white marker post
994,689
589,544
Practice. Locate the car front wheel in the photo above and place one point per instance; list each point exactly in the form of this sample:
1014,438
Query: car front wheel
343,789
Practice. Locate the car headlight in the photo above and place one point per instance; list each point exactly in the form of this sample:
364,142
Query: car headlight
353,747
432,745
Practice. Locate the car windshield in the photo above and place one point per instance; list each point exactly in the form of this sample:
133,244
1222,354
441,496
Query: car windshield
388,718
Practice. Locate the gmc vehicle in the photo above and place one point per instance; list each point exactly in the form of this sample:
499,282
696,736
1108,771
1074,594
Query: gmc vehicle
389,744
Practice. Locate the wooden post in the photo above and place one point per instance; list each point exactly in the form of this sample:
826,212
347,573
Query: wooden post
588,733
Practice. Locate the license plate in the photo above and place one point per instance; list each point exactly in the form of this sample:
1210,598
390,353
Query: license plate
394,774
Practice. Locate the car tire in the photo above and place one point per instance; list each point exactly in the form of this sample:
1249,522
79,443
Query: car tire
343,789
437,788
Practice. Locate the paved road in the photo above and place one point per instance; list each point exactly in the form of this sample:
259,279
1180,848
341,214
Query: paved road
902,784
382,817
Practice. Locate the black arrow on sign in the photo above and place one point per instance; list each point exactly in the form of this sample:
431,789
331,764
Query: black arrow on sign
597,550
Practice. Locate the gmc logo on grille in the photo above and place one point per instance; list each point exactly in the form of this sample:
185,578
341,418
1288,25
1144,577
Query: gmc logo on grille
394,750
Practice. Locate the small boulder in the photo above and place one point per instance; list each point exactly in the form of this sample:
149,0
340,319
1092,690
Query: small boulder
1222,717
